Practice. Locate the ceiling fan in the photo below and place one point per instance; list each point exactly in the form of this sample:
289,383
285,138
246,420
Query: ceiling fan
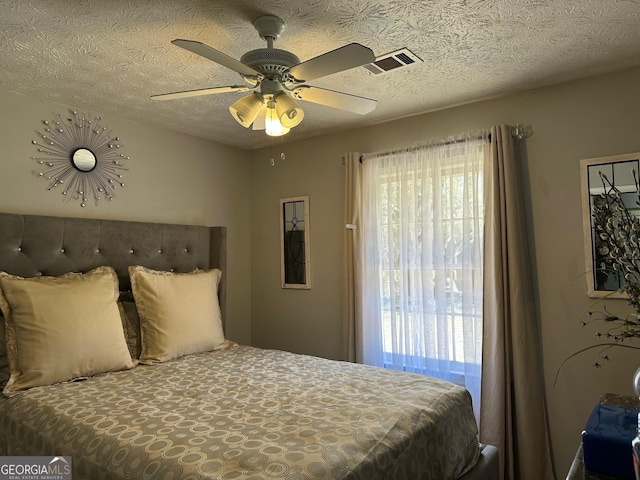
277,79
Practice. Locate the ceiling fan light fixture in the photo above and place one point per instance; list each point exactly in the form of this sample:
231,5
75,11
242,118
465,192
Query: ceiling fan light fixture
288,111
246,109
272,125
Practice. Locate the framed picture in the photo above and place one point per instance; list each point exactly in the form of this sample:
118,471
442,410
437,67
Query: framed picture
295,268
599,178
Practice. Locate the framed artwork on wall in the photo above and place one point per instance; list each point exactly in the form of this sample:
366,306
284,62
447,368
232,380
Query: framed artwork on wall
601,179
80,158
295,265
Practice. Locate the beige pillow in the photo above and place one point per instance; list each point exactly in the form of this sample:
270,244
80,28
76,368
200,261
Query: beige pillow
4,363
62,328
179,312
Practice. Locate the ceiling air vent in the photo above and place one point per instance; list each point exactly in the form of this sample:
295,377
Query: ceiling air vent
391,61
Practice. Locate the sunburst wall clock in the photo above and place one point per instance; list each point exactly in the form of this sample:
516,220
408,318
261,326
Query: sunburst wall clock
80,158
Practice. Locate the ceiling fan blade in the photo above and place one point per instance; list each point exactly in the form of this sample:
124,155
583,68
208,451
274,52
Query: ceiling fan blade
217,56
330,98
343,58
202,91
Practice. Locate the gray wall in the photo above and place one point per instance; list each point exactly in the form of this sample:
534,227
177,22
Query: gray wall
172,178
571,121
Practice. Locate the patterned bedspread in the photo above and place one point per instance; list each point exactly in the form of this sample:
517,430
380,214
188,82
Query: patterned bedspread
247,413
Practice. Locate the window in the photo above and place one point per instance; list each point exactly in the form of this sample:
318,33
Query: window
422,223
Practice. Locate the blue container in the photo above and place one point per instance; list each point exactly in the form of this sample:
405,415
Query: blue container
606,440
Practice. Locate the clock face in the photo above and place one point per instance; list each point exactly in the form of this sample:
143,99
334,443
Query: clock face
80,158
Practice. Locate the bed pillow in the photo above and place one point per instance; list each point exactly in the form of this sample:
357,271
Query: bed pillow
131,326
62,328
4,363
179,312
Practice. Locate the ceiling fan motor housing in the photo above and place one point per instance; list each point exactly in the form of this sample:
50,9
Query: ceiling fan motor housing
270,61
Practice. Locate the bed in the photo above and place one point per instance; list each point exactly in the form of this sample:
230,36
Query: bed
152,399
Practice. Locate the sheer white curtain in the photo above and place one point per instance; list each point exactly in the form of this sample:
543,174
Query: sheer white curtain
422,239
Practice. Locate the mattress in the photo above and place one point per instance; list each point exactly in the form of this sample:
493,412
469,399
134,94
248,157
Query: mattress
248,413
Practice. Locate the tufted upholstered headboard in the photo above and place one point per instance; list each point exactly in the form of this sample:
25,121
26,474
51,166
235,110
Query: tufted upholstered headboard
32,245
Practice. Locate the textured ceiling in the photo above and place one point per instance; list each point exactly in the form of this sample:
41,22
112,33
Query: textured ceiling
109,56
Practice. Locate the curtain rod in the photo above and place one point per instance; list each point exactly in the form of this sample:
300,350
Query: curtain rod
518,132
421,147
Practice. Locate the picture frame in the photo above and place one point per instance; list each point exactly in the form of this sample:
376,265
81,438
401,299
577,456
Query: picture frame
622,171
295,252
